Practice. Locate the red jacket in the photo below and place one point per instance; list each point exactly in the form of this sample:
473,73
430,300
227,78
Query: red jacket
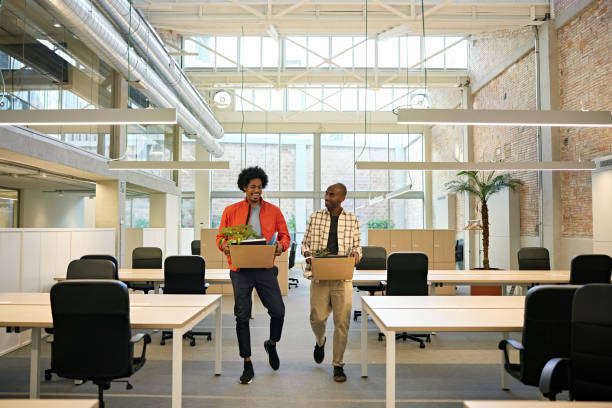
270,217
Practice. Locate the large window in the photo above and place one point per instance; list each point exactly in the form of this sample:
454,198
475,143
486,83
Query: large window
137,212
9,207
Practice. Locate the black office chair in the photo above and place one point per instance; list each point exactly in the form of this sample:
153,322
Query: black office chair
372,257
407,276
108,258
546,332
586,373
292,281
185,275
532,258
196,247
85,269
145,258
93,338
590,269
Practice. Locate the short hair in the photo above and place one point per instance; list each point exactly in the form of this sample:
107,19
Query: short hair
250,173
341,187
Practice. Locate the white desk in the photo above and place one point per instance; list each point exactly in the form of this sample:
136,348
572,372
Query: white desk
178,312
448,316
536,404
48,403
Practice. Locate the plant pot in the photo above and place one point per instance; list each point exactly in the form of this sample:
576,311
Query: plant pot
486,290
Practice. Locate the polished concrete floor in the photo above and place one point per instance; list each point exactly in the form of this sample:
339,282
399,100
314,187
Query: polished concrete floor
454,367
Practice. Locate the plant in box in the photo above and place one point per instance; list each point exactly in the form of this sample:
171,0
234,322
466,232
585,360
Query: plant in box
237,234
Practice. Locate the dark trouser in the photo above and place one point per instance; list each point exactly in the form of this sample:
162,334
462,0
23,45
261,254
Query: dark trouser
264,280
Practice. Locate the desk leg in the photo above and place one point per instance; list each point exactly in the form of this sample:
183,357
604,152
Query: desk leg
218,342
504,375
177,367
504,290
364,340
35,364
156,286
433,289
390,370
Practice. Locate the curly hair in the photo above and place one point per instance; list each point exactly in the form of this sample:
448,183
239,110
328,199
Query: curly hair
250,173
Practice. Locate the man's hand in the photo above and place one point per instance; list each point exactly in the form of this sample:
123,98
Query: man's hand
356,256
279,249
307,256
226,246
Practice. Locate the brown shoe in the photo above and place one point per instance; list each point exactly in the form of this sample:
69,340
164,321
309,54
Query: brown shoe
339,375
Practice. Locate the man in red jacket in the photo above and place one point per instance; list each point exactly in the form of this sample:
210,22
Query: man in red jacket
267,220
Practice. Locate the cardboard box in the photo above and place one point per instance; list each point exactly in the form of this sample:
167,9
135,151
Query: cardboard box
333,268
252,256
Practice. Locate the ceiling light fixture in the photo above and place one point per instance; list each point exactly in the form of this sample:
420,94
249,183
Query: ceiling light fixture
163,116
504,117
478,166
167,165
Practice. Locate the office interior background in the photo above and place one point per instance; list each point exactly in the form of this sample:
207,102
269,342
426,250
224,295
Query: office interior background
304,89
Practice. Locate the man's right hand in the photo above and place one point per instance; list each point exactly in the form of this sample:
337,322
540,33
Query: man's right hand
226,248
307,256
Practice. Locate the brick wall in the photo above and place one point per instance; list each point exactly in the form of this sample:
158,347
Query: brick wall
585,76
512,89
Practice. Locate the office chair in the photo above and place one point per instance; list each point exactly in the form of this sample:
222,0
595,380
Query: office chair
373,257
108,258
546,332
93,338
85,269
185,275
196,247
586,373
532,258
590,269
292,281
407,276
145,258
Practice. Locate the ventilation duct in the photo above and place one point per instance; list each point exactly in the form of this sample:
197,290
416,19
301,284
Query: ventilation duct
92,27
131,22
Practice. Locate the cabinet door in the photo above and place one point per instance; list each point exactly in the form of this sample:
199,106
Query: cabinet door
208,244
378,237
422,241
444,246
401,241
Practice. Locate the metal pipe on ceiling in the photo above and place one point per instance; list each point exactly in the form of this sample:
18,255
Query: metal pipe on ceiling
91,26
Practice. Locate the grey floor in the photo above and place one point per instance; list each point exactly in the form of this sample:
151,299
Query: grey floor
454,367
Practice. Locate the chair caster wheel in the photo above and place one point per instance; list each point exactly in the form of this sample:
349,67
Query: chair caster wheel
192,343
380,336
129,386
47,377
162,343
428,340
209,338
422,345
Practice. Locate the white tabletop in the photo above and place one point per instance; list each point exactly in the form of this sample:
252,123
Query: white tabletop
48,403
536,404
446,302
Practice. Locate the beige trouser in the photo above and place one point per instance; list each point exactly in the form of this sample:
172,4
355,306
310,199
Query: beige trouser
327,297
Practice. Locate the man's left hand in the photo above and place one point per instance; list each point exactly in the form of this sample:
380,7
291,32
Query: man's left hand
356,256
279,249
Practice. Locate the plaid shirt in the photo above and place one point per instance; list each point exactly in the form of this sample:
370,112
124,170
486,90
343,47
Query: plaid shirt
317,233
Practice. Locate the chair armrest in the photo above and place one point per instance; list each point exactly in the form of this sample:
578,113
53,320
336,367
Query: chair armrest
555,377
138,362
383,287
503,345
139,336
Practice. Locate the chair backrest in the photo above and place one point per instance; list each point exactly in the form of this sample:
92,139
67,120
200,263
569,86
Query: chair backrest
105,257
546,328
196,248
292,255
459,250
91,325
533,258
372,257
407,274
91,269
184,274
147,258
590,343
590,269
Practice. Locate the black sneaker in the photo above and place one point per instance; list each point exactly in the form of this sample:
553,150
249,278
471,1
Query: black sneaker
247,373
319,352
272,355
339,375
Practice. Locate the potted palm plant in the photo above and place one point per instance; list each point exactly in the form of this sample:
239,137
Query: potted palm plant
483,186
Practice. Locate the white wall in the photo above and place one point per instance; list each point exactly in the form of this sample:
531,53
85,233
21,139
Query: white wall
49,210
504,229
32,258
186,238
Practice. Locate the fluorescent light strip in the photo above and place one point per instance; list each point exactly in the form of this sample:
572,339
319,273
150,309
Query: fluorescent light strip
167,165
165,116
482,166
504,117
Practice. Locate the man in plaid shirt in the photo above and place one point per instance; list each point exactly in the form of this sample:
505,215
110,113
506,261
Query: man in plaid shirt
338,231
